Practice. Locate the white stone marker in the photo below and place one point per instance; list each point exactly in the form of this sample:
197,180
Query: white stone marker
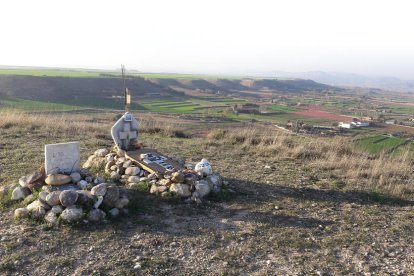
64,157
125,131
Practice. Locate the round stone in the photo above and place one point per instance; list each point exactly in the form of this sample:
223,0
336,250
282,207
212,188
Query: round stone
57,179
20,193
96,215
72,213
21,213
101,152
122,202
68,198
132,171
99,190
111,196
53,199
75,177
38,213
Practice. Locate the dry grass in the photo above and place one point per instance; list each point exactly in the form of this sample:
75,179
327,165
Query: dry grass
335,157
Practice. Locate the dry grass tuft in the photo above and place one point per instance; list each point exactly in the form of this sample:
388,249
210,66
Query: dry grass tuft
331,156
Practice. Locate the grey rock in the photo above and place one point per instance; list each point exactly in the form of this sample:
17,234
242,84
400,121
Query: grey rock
38,213
89,179
76,177
203,167
99,190
133,179
182,190
111,196
69,187
4,190
72,213
99,180
20,193
202,188
29,199
21,213
52,199
68,198
190,179
51,218
43,195
132,170
114,212
96,215
82,184
57,209
84,197
141,179
215,182
33,177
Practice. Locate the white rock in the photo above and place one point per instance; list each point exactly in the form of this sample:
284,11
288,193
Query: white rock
204,167
182,190
23,181
20,213
202,188
76,177
132,171
72,213
20,193
101,152
99,190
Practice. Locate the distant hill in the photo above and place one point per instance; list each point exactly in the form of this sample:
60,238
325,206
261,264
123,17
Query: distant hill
67,88
344,79
63,85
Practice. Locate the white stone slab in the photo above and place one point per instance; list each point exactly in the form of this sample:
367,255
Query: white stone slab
125,131
64,156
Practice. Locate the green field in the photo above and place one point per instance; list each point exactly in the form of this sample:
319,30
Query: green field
29,105
378,144
67,105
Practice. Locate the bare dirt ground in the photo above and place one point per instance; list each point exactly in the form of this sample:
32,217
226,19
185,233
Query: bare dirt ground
284,219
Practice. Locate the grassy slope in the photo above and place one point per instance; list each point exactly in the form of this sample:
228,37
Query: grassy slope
290,219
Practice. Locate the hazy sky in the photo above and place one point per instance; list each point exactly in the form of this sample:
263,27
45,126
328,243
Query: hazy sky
360,36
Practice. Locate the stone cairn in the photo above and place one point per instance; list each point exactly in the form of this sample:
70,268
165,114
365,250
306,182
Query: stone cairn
191,184
76,196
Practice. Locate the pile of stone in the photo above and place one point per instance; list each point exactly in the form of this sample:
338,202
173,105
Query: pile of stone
190,183
80,196
68,197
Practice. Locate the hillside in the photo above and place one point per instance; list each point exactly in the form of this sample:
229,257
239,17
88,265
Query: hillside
66,88
300,207
60,85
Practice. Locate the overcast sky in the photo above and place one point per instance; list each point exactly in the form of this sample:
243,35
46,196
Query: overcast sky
215,36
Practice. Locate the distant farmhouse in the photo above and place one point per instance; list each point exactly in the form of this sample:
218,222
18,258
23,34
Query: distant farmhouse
354,124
